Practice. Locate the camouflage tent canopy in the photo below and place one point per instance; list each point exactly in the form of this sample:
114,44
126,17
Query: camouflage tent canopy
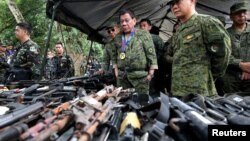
92,16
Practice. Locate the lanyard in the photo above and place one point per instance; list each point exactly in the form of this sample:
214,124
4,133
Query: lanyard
126,43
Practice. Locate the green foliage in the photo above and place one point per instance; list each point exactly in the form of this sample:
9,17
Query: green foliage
34,13
7,21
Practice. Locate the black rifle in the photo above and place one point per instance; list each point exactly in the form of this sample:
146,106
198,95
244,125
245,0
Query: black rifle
197,121
209,113
13,133
13,117
234,115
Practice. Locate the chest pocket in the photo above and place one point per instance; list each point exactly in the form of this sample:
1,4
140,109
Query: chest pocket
191,38
22,55
136,44
248,38
192,45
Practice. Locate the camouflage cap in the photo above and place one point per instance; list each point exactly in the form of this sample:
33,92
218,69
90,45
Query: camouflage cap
238,7
172,2
111,24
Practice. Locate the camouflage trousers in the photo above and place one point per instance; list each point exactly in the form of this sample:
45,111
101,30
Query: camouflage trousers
233,83
136,79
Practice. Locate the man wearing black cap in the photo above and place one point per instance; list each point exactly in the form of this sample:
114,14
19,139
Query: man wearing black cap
237,77
200,49
112,30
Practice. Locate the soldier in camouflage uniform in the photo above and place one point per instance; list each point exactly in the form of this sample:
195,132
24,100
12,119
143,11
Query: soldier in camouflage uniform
107,66
27,59
200,49
134,56
158,83
49,69
3,63
112,30
237,76
64,66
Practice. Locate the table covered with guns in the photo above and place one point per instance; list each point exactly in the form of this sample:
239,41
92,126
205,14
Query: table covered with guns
85,109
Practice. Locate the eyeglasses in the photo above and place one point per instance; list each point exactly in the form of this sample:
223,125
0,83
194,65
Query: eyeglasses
110,30
125,20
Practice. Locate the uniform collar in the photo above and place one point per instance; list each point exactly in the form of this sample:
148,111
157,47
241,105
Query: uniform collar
188,23
234,31
25,42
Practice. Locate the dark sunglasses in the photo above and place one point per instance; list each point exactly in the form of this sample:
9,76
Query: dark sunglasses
110,30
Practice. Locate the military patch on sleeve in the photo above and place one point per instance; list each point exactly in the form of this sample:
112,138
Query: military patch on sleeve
150,50
33,49
214,48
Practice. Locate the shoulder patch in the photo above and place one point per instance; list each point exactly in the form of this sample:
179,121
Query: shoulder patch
33,49
150,50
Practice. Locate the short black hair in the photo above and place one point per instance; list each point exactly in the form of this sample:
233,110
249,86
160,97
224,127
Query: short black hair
129,11
59,43
146,20
25,26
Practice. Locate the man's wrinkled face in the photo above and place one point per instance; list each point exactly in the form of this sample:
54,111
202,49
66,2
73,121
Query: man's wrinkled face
180,8
19,32
145,26
240,17
59,49
127,22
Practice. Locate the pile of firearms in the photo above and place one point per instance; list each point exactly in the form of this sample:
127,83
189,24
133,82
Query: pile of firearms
81,109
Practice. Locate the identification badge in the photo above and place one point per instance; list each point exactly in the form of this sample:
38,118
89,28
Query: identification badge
189,37
122,55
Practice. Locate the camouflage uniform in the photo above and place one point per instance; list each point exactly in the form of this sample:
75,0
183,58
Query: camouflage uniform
28,58
107,57
64,66
140,56
3,64
200,49
107,65
49,70
240,53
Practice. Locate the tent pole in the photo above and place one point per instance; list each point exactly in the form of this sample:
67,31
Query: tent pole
65,46
90,50
48,38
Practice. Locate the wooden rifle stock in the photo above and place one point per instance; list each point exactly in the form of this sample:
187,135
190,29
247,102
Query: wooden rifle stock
54,128
109,104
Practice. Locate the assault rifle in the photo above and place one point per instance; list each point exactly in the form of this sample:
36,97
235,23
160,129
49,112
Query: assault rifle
21,131
235,114
187,118
88,113
13,117
93,82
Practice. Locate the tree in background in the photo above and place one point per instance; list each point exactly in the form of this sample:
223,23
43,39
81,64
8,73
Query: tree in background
33,12
15,11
